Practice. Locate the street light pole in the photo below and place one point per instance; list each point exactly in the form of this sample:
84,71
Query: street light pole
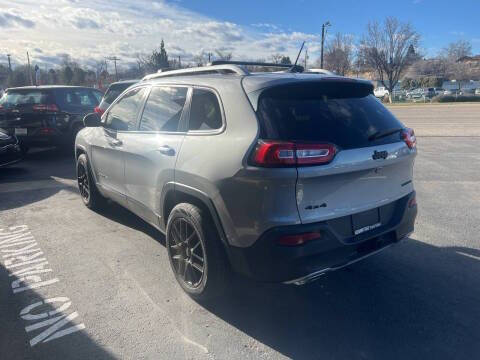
324,25
9,64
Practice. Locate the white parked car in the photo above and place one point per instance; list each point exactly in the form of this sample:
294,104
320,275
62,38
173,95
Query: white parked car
381,92
477,91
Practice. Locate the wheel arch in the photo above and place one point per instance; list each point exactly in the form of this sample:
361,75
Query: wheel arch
175,193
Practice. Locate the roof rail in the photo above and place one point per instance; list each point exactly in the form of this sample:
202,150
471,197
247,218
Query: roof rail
293,68
211,69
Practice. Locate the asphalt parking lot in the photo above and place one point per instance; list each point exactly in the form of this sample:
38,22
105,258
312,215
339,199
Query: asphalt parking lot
417,300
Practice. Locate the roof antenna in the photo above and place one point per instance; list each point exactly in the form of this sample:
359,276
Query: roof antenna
296,68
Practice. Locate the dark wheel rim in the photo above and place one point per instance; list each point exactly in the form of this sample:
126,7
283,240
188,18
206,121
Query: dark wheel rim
83,185
187,253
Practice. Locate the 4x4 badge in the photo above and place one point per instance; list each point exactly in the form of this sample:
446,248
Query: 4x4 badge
379,155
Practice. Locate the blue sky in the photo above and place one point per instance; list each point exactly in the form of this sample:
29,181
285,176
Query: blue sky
438,21
90,30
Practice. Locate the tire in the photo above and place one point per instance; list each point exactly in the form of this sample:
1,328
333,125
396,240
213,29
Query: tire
191,235
86,185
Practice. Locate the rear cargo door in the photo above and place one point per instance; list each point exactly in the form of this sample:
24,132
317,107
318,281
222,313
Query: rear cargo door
372,166
24,110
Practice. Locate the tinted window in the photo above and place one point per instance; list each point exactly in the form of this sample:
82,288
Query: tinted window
114,90
78,97
205,111
14,98
123,115
343,114
98,95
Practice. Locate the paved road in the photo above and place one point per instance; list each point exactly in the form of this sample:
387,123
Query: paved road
417,300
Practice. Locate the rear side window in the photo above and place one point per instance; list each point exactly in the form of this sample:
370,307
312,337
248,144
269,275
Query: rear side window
19,98
205,111
77,97
163,109
123,115
344,114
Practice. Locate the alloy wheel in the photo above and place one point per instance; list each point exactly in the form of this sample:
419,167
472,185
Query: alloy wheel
187,253
83,185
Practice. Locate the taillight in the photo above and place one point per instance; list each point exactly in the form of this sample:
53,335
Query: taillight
408,135
279,153
46,131
412,202
298,239
46,107
98,110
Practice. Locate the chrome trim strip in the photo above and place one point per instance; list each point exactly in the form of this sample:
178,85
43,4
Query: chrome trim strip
315,275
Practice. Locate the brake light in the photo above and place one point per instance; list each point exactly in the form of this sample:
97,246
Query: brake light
98,110
46,131
298,239
408,135
46,107
412,202
279,153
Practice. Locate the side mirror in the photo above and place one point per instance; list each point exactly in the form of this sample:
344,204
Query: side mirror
92,120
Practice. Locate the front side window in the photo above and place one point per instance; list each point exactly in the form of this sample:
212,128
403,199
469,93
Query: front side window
163,109
123,115
205,111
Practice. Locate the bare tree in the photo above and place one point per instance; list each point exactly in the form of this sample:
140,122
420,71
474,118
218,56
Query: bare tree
457,50
385,48
339,54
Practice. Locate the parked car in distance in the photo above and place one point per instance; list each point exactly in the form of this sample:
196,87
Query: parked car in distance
10,151
46,115
281,176
381,92
112,92
438,91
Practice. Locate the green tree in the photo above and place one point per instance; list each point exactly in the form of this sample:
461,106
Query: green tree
52,77
285,60
159,59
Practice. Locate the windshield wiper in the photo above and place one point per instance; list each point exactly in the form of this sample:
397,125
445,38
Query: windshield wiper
383,133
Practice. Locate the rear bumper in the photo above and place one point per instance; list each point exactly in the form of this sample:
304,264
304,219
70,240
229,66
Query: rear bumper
337,247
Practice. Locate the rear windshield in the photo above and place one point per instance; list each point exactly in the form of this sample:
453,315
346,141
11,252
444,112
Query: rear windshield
18,98
344,114
114,90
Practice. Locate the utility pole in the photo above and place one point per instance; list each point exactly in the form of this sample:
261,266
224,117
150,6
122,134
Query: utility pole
9,64
29,70
209,56
324,26
179,62
115,59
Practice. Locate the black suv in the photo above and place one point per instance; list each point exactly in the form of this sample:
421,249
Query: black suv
46,115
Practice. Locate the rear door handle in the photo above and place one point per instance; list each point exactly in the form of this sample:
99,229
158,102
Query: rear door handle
166,150
115,142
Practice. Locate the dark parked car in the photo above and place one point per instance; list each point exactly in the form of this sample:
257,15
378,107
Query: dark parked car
46,115
112,93
10,151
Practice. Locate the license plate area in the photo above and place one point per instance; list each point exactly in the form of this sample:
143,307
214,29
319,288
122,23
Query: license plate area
20,131
366,221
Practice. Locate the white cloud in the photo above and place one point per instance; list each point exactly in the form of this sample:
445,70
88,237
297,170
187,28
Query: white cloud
90,30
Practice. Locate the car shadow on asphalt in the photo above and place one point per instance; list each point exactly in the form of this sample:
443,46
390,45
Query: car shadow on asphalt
39,342
415,301
47,171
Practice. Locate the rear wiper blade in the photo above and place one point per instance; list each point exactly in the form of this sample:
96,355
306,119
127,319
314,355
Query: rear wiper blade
383,133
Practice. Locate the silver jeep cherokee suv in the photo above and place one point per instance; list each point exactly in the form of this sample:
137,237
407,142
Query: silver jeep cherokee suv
279,176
